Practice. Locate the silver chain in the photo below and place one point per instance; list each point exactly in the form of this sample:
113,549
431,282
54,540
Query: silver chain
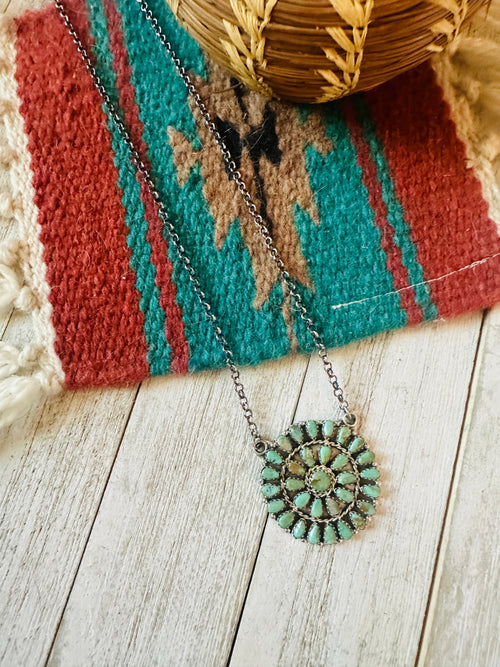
235,175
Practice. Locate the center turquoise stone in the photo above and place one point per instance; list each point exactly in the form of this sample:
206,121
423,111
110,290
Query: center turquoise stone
320,479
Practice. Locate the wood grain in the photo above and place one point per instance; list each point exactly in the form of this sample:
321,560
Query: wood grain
363,602
462,628
130,527
167,566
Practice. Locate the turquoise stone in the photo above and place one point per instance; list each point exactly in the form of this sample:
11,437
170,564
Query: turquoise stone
343,433
270,490
293,484
307,456
312,429
344,494
296,468
296,433
317,508
356,445
344,531
358,521
365,457
332,506
269,473
273,457
325,453
320,480
346,478
366,507
371,490
302,499
299,530
284,443
286,519
339,461
314,534
328,428
329,536
275,506
370,473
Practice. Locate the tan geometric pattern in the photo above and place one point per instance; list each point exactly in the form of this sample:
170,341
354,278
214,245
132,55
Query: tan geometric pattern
283,184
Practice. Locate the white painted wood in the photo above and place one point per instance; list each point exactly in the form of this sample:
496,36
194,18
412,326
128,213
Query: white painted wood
362,603
166,568
462,628
53,468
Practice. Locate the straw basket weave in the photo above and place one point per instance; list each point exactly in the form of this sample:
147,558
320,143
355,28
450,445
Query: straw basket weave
319,50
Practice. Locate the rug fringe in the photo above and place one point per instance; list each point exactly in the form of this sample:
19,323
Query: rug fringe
30,373
469,74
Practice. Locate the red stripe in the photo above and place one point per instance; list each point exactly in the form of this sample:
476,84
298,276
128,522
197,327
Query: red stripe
441,196
174,326
379,207
99,326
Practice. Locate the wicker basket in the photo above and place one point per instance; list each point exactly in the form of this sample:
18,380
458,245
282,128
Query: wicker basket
319,50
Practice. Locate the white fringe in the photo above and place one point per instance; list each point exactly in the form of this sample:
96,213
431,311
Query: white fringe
35,371
469,74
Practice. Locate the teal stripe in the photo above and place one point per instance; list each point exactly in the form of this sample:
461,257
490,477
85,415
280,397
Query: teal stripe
145,272
346,261
395,212
226,274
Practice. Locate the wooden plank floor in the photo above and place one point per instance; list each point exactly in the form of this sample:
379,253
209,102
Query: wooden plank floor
132,532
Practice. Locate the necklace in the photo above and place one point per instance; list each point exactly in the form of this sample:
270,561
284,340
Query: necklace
318,477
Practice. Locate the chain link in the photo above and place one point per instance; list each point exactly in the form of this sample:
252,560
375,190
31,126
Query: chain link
235,175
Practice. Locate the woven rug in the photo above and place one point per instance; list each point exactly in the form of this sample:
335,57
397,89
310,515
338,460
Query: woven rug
383,206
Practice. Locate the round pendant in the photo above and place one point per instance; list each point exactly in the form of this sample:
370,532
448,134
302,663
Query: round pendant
320,482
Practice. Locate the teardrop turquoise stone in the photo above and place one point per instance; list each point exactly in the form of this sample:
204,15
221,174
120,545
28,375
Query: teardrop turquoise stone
365,457
366,506
344,494
286,519
275,506
346,478
317,508
343,433
370,473
332,506
328,427
284,443
296,433
299,530
296,468
339,461
325,453
357,444
269,473
270,490
302,499
358,521
371,490
307,456
293,484
273,457
312,428
344,531
314,534
329,536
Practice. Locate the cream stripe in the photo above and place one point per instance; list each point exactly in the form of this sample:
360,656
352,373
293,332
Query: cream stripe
252,17
24,255
348,55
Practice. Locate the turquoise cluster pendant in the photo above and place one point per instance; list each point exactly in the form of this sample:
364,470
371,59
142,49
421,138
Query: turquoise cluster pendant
319,481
